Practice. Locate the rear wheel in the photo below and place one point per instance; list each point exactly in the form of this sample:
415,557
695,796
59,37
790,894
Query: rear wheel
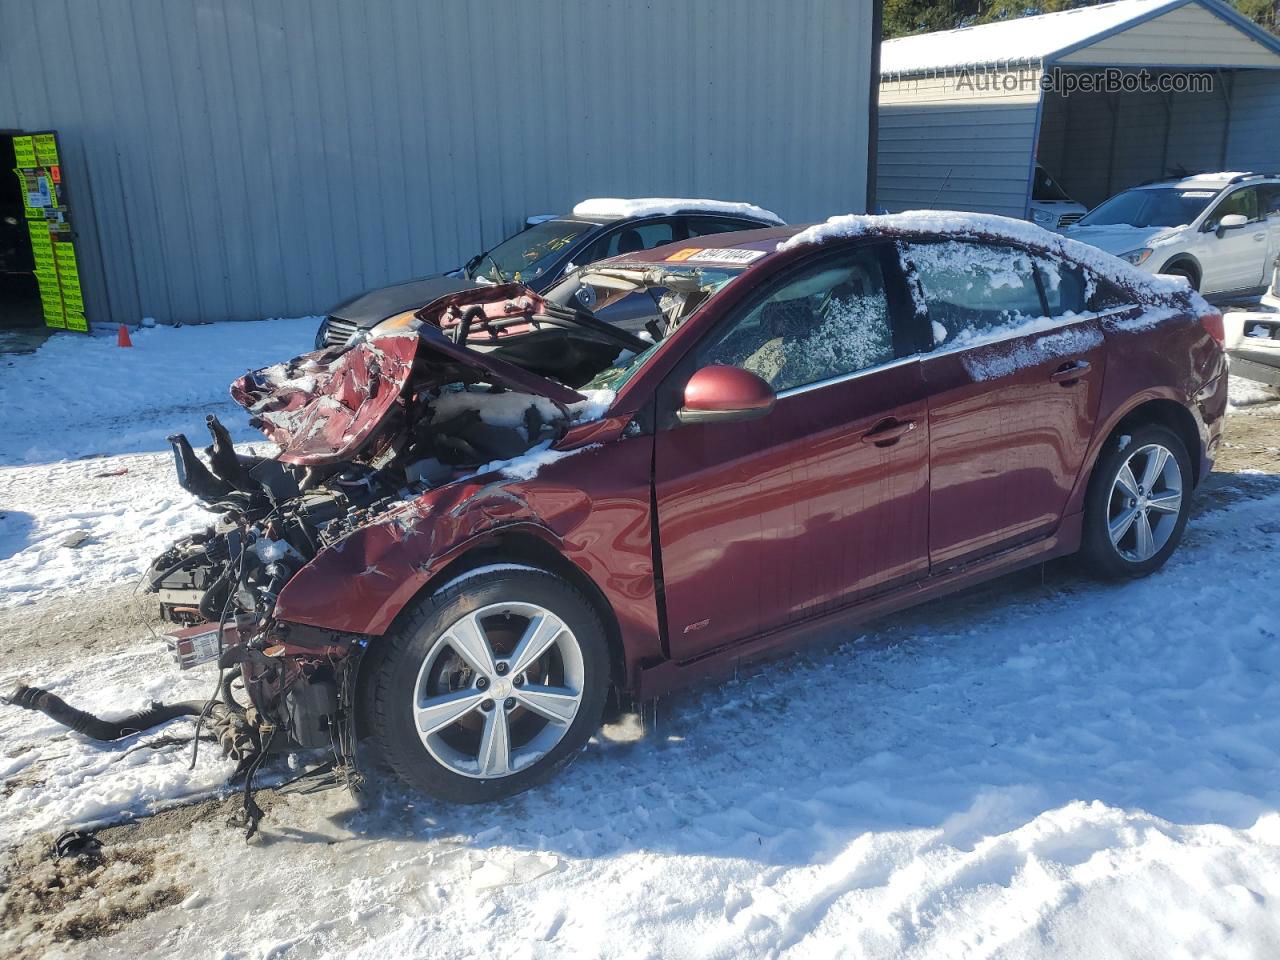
1138,502
490,686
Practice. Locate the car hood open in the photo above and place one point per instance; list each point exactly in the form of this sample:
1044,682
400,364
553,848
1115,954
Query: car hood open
330,405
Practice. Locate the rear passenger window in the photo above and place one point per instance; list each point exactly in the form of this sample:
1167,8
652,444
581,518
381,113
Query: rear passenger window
1269,200
828,320
706,226
1065,288
632,239
971,289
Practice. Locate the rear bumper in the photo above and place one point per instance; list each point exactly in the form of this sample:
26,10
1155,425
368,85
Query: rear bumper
1211,411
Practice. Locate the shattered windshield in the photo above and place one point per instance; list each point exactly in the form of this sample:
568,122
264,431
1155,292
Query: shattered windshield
679,291
1163,207
529,253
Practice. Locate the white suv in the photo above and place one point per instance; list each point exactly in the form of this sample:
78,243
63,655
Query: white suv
1219,230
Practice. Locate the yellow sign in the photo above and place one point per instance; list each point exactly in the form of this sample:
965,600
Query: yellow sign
24,151
46,150
56,271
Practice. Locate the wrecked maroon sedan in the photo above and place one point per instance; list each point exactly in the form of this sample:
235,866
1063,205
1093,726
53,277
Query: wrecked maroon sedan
485,524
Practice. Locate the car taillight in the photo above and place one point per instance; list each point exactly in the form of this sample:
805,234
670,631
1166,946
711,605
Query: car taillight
1212,322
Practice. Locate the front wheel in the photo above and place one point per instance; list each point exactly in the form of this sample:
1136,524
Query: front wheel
1178,270
1138,503
489,686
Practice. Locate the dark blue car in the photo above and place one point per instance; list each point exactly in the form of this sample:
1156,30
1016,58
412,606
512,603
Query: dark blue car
544,251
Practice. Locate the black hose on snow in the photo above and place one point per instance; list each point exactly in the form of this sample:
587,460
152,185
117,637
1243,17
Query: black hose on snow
96,728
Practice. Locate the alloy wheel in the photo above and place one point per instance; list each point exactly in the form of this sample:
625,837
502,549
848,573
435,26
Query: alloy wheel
1146,500
498,690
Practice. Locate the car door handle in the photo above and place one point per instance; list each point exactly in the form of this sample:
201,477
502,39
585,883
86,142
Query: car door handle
888,432
1259,236
1069,373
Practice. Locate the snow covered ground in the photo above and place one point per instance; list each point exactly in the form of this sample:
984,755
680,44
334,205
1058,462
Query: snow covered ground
1039,768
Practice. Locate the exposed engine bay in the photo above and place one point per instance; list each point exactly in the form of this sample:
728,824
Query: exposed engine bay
453,390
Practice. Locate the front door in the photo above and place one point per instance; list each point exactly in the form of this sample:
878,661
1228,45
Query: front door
1012,393
774,520
1237,259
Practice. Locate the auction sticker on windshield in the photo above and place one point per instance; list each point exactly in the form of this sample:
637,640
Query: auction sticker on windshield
713,255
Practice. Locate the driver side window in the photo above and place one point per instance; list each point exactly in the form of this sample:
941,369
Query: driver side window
829,320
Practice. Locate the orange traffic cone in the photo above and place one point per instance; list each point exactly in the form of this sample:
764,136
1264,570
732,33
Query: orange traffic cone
122,337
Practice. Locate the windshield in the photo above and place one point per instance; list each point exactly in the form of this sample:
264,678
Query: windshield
1156,207
529,253
1046,189
678,290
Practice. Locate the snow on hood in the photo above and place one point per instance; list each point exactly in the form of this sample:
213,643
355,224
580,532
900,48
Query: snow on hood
947,223
618,208
1120,238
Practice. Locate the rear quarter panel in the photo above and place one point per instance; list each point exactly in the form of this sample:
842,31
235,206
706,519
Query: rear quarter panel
1157,353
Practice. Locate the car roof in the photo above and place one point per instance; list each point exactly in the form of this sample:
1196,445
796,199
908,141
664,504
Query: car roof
1208,181
624,208
765,240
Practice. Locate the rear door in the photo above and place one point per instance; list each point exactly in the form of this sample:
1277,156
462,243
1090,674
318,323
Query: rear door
822,501
1269,209
1014,382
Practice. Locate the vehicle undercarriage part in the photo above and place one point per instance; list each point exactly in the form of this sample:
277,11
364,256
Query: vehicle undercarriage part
96,728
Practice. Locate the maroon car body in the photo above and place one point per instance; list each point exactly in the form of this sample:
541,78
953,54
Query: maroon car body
707,518
792,521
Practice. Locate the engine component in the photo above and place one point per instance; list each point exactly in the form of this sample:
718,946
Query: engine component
193,475
311,706
192,646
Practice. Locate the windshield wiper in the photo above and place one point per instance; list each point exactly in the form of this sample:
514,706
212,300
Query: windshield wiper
502,277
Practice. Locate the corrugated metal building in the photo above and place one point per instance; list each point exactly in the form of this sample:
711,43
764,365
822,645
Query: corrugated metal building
964,117
247,158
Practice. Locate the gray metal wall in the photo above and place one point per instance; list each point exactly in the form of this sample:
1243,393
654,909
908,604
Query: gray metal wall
248,158
1253,141
947,147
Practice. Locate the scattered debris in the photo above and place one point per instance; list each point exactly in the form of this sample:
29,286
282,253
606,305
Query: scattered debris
76,539
84,893
75,843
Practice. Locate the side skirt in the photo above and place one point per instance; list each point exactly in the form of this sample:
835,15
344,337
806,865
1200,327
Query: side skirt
671,675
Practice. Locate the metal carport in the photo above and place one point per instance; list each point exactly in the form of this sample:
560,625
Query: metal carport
966,114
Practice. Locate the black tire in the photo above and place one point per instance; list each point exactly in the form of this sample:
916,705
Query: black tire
391,683
1098,555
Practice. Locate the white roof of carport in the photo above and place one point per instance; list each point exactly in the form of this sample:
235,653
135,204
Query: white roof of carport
1136,33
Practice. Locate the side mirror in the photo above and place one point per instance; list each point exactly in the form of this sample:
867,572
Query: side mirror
719,393
1232,221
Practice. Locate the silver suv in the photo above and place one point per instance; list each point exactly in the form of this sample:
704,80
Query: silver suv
1221,231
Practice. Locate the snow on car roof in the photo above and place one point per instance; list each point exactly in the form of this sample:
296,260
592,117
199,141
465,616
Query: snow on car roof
617,208
1205,181
1011,41
952,224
